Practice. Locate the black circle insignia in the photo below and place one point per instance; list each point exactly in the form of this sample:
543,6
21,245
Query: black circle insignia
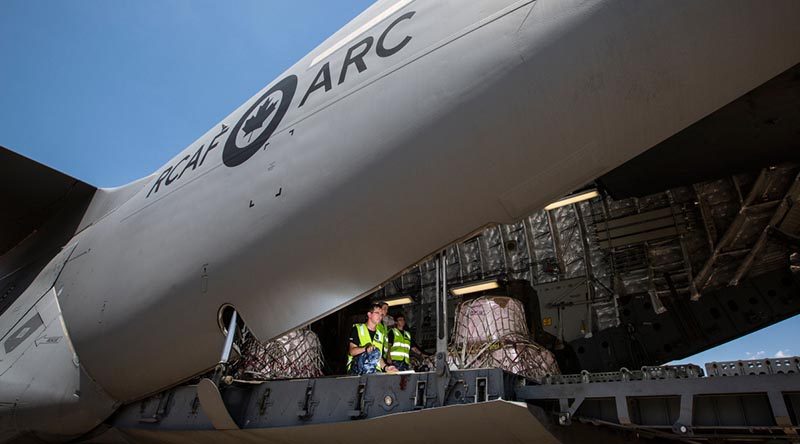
268,115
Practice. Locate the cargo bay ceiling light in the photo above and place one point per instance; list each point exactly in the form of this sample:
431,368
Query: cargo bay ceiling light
575,198
401,300
476,287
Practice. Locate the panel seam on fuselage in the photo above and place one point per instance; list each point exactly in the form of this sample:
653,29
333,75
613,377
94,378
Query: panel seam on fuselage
359,31
419,55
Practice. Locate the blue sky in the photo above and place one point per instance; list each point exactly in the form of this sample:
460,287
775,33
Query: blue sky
774,341
108,91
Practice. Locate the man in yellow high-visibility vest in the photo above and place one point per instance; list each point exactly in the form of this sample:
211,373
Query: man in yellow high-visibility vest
366,346
401,345
383,328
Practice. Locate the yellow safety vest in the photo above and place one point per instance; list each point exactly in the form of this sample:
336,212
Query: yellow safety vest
364,339
385,335
401,347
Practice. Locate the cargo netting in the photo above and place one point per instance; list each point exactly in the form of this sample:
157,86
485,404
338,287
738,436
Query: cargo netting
491,331
297,354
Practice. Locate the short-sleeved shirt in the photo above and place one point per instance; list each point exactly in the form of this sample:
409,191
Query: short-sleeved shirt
354,336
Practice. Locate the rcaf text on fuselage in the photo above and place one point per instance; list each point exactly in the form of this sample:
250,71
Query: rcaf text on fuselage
259,122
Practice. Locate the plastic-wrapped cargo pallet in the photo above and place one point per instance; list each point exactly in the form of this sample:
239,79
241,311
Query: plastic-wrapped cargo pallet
297,354
491,331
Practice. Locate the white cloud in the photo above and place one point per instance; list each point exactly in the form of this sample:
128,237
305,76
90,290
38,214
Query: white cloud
782,353
761,354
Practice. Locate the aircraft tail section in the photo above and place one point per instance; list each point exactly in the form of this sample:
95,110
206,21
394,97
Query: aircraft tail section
43,208
31,194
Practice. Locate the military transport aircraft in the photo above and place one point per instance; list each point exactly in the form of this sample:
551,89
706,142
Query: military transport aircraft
112,295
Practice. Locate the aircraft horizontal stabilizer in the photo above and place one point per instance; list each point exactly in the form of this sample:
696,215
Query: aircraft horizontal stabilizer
31,194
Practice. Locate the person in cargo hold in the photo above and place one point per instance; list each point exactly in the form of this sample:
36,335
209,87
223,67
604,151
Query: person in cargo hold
401,345
383,327
388,320
366,346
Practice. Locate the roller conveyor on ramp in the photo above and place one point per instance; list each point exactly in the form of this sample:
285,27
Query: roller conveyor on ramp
750,401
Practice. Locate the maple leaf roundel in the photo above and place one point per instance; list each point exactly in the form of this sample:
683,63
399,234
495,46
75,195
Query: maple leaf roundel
258,123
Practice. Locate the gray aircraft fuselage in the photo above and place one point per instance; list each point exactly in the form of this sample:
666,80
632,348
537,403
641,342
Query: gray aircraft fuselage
413,126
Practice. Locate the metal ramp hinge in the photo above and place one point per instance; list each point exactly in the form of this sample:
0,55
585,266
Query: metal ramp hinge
360,403
421,395
481,389
307,406
264,402
161,410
